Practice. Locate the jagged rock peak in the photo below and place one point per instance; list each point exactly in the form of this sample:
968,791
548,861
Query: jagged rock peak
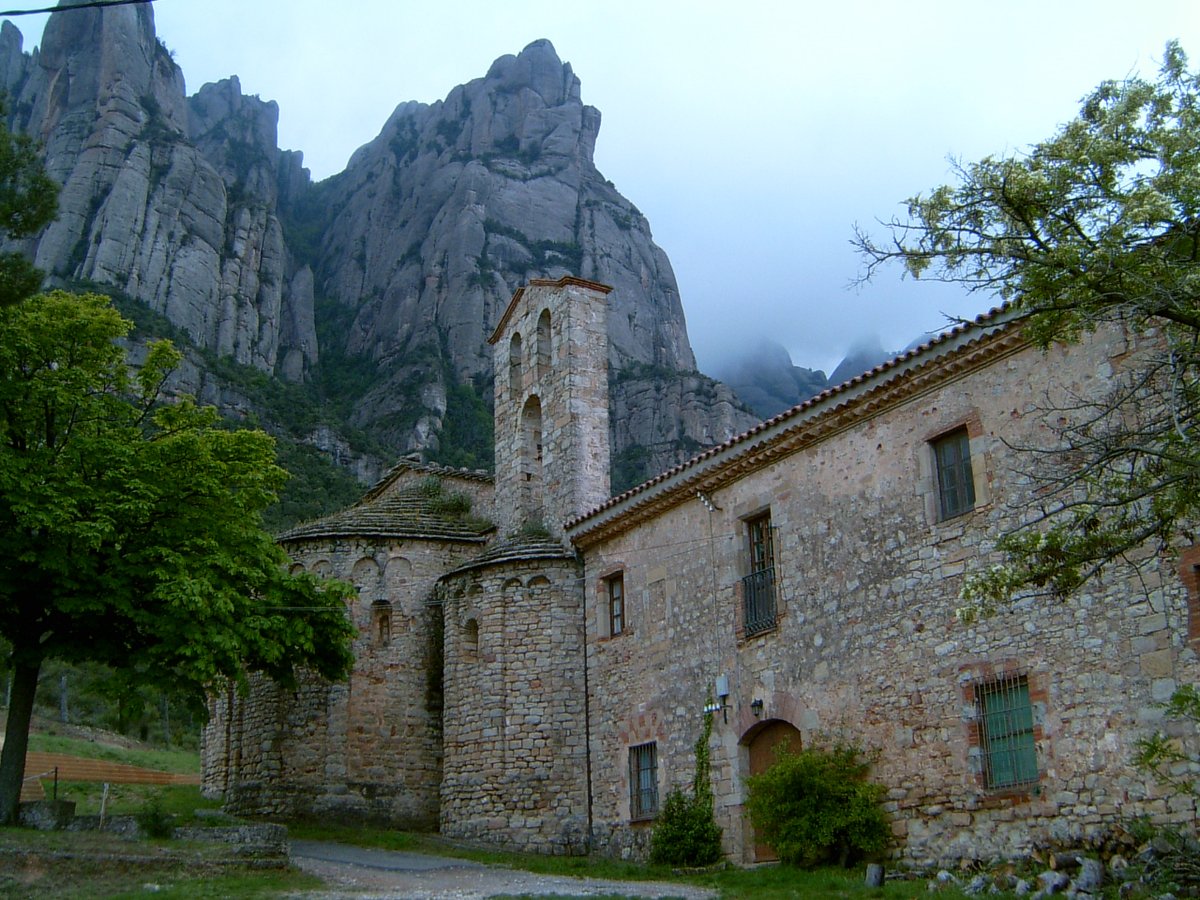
539,68
168,200
110,59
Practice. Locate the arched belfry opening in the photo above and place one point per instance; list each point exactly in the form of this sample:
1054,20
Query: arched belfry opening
531,457
514,365
543,344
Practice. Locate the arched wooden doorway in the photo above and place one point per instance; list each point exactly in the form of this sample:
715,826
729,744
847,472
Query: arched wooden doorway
763,745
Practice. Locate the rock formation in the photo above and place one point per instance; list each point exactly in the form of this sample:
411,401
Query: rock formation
169,200
767,381
401,264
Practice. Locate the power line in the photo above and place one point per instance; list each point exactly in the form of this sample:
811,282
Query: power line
89,4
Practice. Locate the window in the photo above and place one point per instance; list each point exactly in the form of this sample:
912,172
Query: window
615,588
956,483
471,638
543,344
643,781
758,587
514,366
1004,713
381,622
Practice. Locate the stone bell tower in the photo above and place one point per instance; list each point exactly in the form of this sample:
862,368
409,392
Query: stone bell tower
551,373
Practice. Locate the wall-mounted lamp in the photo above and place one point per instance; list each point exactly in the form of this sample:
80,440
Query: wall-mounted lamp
721,704
756,707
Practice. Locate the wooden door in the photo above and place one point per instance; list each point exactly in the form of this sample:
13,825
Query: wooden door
762,755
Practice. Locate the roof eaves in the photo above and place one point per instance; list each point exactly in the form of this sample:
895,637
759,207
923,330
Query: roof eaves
771,430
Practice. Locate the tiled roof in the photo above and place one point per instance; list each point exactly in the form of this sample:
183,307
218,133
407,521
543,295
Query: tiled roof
408,511
517,549
829,402
565,281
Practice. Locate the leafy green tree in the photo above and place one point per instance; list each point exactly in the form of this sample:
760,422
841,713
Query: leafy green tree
28,202
1097,227
130,528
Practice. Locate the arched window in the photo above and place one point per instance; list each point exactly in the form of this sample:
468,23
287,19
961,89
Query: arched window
531,460
514,366
471,639
543,344
381,622
531,439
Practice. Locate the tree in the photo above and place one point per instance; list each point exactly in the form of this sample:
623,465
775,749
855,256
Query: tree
130,527
28,202
1097,227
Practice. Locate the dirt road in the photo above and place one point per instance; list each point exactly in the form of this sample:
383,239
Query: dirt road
360,873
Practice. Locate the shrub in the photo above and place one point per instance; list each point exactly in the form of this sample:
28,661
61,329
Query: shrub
154,820
686,834
816,806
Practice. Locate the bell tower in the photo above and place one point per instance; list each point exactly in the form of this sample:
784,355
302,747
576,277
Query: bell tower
551,404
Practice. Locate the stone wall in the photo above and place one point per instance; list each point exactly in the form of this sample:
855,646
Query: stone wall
514,727
369,748
551,402
867,646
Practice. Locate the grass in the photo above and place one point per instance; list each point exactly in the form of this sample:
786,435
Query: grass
87,866
183,762
180,800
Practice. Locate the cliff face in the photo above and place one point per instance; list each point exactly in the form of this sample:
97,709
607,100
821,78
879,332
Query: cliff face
402,264
456,204
169,200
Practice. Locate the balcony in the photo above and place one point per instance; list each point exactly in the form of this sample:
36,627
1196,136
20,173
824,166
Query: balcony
758,598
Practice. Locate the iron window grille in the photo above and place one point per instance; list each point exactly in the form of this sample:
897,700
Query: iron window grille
616,604
643,781
1006,735
759,608
956,481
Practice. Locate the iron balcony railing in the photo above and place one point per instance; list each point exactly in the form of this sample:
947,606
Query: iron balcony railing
758,598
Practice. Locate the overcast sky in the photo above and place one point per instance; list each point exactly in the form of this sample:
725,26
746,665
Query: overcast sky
752,135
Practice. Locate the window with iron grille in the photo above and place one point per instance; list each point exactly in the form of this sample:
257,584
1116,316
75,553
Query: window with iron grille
1006,735
615,588
758,587
643,781
956,482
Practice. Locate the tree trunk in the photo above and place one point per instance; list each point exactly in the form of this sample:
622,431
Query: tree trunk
16,737
63,712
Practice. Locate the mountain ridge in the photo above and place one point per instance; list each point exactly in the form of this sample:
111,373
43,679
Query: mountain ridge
374,288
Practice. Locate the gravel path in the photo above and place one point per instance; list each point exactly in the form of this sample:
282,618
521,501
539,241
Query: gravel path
360,873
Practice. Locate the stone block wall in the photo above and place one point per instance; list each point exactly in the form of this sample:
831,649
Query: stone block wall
551,402
514,727
369,748
867,646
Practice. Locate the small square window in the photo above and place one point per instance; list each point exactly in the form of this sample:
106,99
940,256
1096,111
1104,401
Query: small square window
956,481
1006,736
643,781
615,589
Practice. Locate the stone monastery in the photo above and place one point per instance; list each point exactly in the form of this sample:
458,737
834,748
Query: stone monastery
534,656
